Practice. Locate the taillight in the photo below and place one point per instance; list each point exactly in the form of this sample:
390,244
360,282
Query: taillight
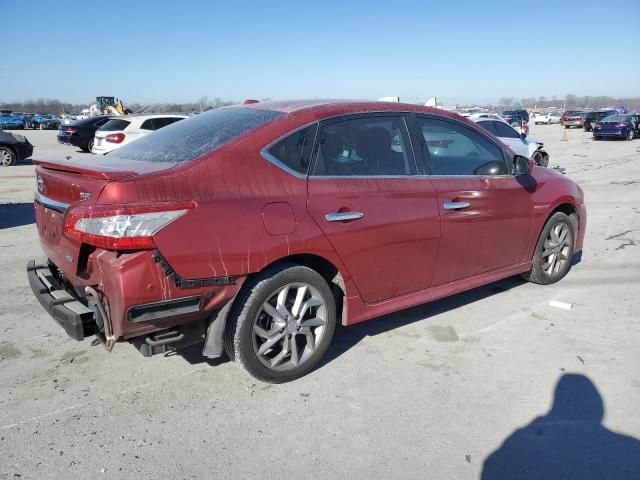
122,227
115,138
621,124
70,130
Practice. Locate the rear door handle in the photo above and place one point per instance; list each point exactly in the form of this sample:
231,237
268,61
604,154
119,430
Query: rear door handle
456,205
343,216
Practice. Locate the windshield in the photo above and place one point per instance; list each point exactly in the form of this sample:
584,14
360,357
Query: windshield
190,138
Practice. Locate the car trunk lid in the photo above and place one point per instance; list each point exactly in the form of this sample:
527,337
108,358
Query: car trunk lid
64,184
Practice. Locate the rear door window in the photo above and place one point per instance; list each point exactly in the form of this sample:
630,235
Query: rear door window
505,130
454,149
488,125
186,140
364,146
147,125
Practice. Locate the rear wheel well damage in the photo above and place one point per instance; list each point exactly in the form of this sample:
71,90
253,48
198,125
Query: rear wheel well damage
214,343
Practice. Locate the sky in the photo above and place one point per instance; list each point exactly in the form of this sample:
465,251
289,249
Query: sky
474,51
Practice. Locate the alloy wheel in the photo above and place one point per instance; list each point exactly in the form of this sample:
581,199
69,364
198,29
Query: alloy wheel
289,327
6,158
556,249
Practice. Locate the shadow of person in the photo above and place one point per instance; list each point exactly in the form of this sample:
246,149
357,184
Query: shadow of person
567,443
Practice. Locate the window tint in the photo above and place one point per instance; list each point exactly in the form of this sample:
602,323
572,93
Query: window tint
114,125
162,122
195,136
147,125
489,126
294,151
505,130
453,149
100,122
375,146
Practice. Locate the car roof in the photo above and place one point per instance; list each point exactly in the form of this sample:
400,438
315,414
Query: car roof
318,109
147,115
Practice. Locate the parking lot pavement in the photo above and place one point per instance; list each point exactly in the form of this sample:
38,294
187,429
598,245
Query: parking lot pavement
429,392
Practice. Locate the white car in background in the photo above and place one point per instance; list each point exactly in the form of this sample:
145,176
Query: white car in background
546,118
477,116
518,142
119,131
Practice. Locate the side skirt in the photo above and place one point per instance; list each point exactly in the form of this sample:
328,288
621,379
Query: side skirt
359,311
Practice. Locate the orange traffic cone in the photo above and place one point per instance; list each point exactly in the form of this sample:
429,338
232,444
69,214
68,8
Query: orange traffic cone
564,135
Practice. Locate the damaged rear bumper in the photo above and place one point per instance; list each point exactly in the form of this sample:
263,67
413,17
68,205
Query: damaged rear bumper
76,318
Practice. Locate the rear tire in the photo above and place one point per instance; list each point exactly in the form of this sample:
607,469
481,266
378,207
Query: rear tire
554,251
289,309
630,135
596,137
8,157
89,146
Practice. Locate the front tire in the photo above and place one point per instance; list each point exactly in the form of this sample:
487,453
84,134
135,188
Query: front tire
281,324
554,251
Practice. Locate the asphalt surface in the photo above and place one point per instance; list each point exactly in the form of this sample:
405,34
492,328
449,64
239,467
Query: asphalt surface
460,388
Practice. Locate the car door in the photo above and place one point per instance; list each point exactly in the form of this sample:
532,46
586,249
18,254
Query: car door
364,194
485,212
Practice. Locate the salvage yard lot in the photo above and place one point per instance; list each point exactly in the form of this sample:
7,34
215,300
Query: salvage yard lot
428,392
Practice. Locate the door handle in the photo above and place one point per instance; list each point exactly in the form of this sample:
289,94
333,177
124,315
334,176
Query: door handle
343,216
456,205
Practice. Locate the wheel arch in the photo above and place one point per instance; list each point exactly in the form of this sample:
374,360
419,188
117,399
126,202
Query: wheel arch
213,344
330,272
569,209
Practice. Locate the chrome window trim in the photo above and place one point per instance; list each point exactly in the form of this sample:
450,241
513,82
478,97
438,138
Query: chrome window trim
50,204
271,159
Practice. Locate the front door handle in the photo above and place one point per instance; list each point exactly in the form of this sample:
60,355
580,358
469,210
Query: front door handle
343,216
456,205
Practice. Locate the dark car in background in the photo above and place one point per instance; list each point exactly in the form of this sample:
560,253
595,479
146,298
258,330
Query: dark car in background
515,115
573,118
595,116
617,126
81,133
45,122
13,148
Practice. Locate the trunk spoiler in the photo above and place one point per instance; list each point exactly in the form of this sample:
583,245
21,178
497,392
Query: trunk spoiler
92,170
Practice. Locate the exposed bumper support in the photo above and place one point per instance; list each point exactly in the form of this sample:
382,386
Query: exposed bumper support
71,314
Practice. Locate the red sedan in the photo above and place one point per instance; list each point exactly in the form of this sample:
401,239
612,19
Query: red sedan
264,225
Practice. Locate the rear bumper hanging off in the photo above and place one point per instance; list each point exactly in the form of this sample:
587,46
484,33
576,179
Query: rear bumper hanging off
76,318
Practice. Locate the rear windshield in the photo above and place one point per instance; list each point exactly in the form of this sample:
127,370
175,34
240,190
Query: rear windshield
573,113
114,125
190,138
616,118
87,121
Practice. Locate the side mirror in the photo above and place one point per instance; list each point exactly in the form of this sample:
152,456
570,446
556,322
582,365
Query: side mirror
521,165
523,135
